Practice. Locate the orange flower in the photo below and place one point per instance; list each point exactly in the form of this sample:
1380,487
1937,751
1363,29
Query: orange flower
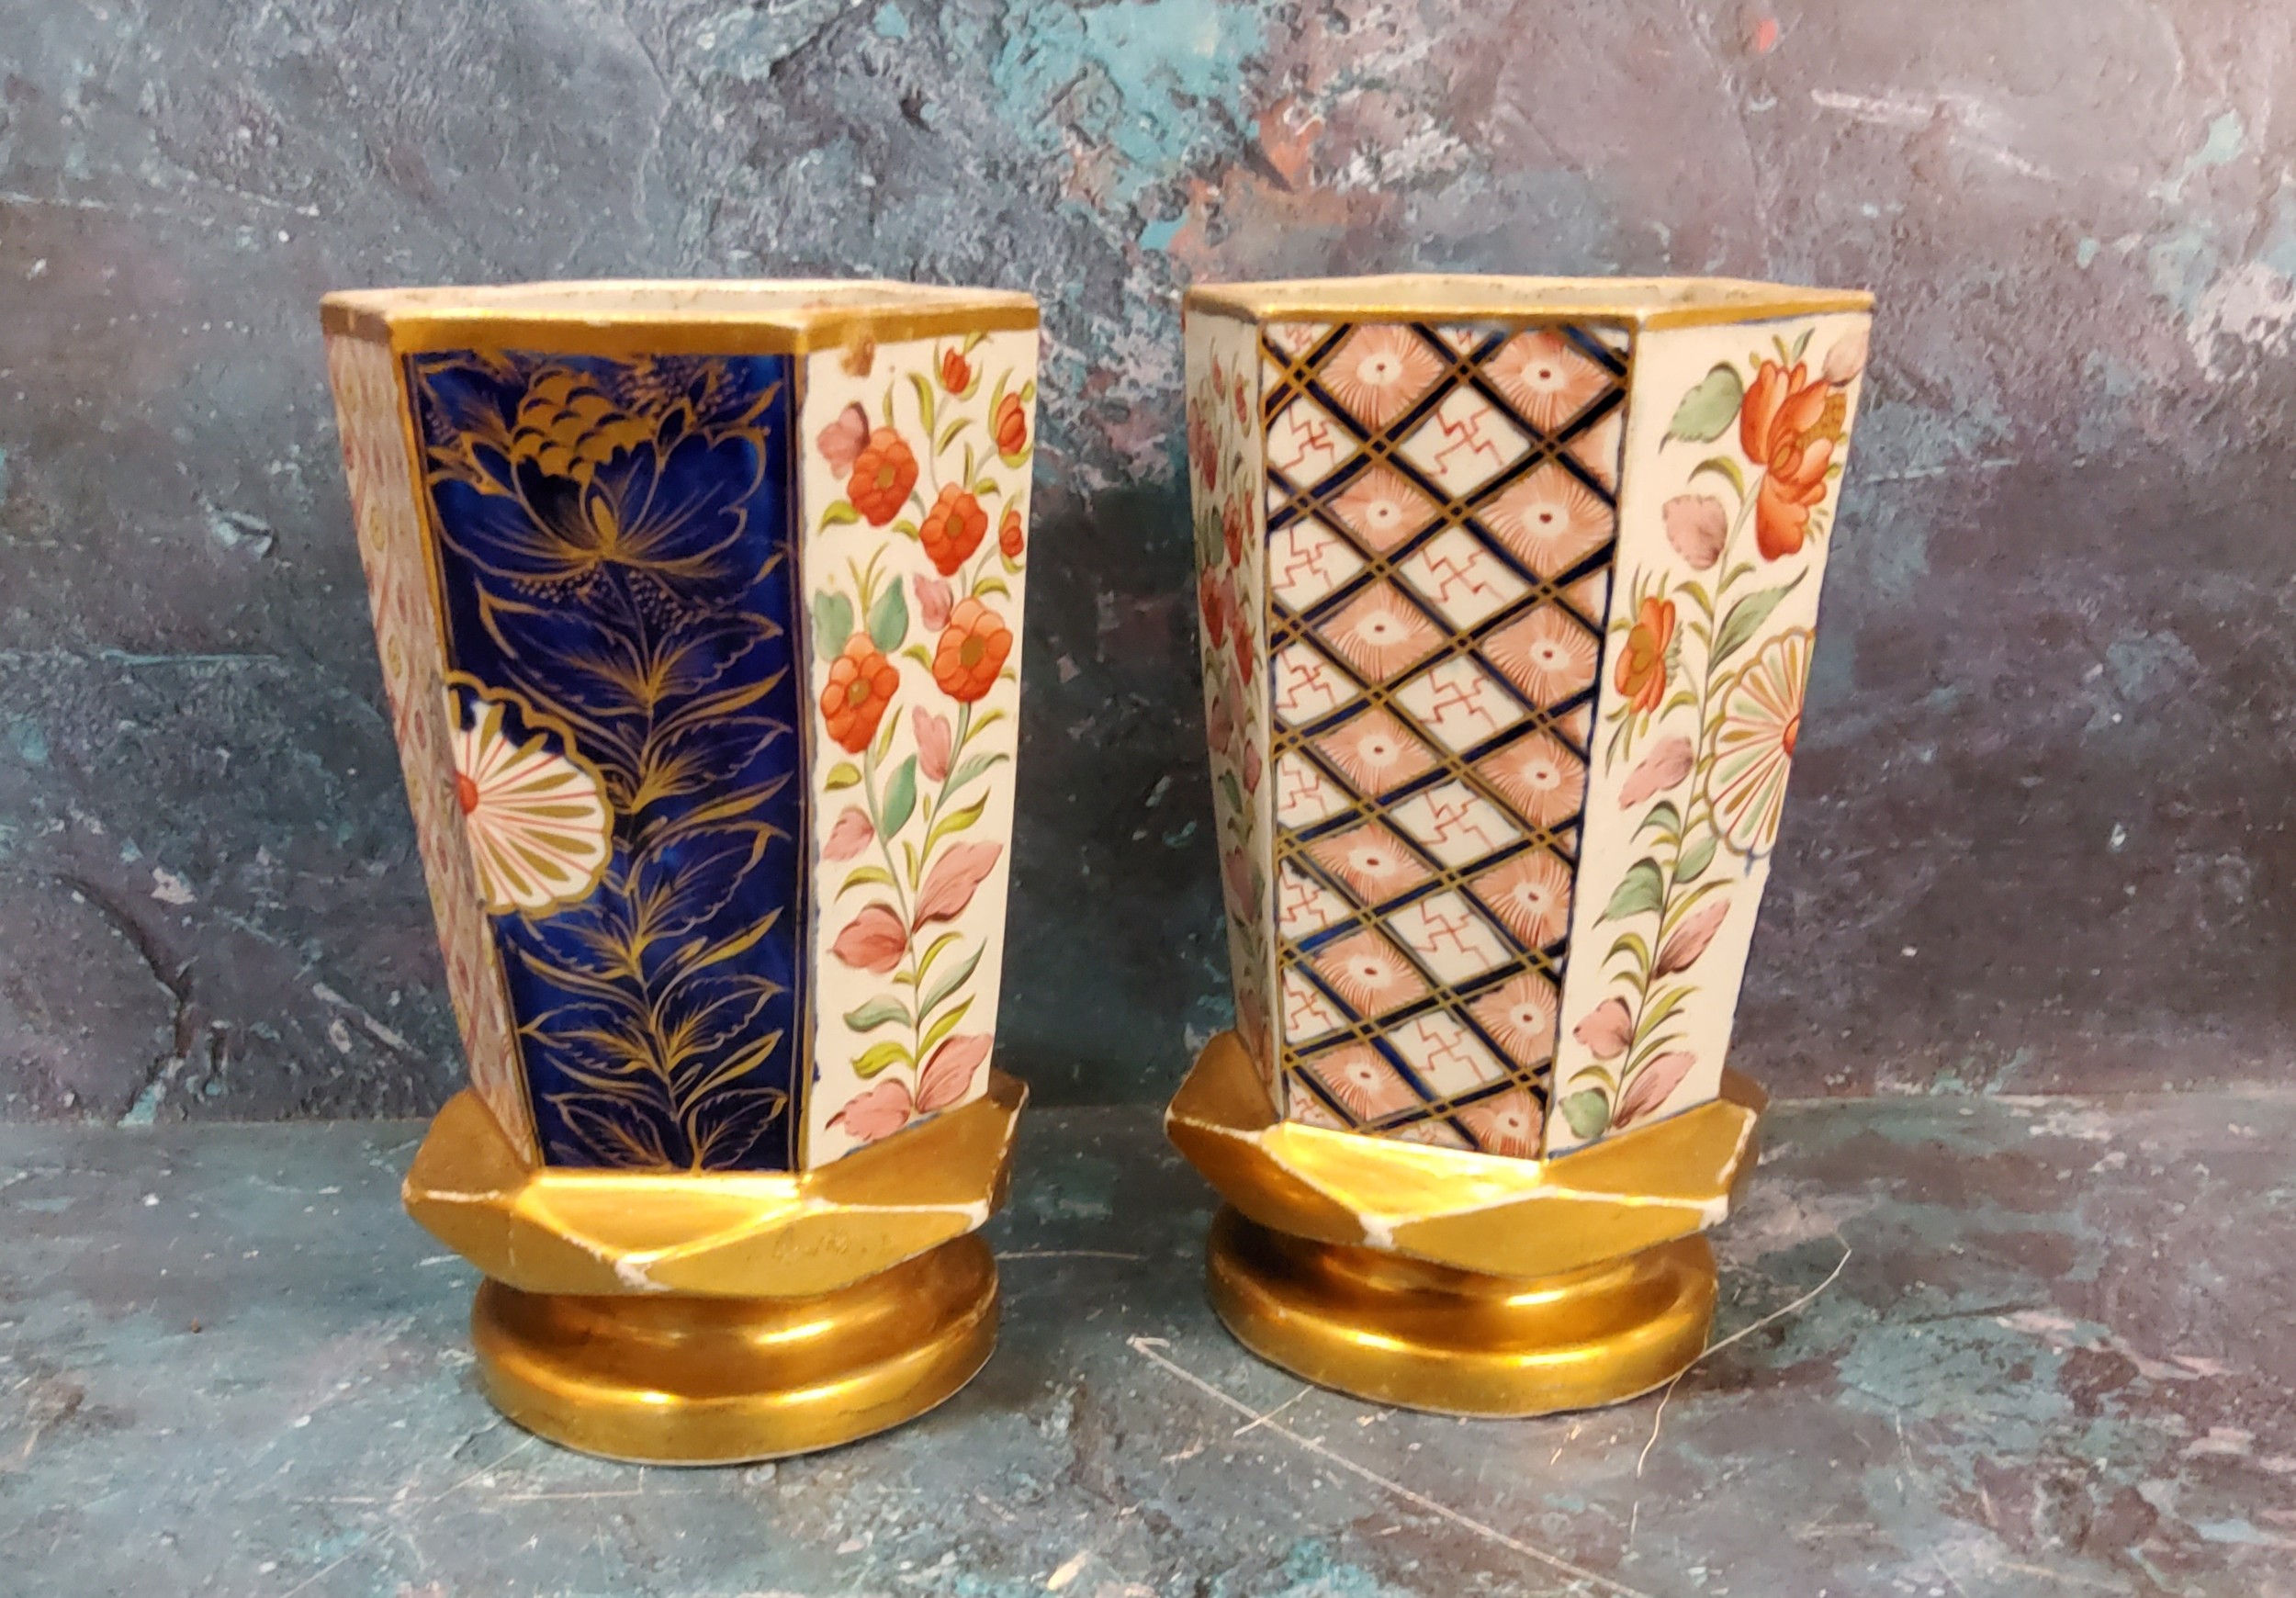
956,372
952,529
1642,664
883,473
861,684
1788,426
971,651
1008,536
1011,426
1211,600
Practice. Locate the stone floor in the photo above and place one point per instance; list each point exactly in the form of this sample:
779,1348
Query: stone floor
1972,1348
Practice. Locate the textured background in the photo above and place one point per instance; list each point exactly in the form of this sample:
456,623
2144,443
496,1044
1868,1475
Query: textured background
2040,836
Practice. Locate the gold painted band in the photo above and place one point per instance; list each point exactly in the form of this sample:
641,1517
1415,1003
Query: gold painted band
1650,303
414,333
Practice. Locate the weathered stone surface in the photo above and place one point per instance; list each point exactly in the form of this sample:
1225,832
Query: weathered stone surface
2040,837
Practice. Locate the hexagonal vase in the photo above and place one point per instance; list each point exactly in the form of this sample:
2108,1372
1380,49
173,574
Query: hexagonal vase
1508,590
697,607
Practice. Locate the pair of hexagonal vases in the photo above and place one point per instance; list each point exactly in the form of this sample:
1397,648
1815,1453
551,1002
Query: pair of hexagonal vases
1508,591
696,605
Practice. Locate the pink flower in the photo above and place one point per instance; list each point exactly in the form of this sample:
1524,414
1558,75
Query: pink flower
1251,768
933,601
1846,359
948,1075
879,1113
1220,722
874,941
955,877
1607,1030
842,441
932,743
1696,526
850,836
1681,951
1667,763
1650,1086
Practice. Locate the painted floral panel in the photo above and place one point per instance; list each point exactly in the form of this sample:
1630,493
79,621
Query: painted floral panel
1733,462
370,407
916,474
1440,524
617,592
1232,569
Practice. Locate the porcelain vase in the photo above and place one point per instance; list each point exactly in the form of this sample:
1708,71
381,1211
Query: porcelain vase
697,605
1508,592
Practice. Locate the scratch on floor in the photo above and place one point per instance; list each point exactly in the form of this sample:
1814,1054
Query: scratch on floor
1146,1347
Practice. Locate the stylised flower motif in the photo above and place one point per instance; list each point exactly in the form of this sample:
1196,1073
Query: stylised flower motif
1689,941
1549,378
955,878
1505,1124
1371,861
1697,526
956,372
1219,722
1009,536
1754,743
932,736
1642,663
1213,604
1010,427
1381,632
873,940
1668,763
1203,446
1240,642
861,683
1369,974
1649,1086
1231,516
947,1077
1541,776
1549,519
1250,765
1376,753
1383,507
1788,424
853,833
537,822
843,439
1607,1029
933,600
971,651
1531,894
1546,654
1847,358
883,472
1379,370
952,529
1519,1014
876,1112
1365,1082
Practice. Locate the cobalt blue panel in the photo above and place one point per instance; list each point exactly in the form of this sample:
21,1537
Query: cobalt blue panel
617,574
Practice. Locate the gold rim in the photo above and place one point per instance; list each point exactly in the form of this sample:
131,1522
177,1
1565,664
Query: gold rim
684,1380
1399,1331
1647,303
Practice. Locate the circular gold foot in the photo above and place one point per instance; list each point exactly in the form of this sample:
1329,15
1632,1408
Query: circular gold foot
678,1379
1424,1336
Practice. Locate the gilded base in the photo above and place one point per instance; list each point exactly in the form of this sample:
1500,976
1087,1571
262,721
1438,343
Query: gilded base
1424,1336
681,1379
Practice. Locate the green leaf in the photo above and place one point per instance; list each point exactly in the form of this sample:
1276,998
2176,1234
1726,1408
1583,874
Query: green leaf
864,876
1799,346
1587,1112
1742,619
1640,891
1722,466
1654,1014
1231,791
949,433
838,512
1708,411
1664,816
949,981
943,1027
974,766
1697,858
844,774
917,652
934,953
956,820
924,399
889,618
992,585
877,1012
1631,943
832,624
900,798
877,1056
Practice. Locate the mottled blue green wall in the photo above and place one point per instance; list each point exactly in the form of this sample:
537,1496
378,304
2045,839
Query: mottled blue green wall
2040,836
